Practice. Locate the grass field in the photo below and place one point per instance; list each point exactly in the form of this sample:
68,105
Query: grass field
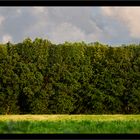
70,124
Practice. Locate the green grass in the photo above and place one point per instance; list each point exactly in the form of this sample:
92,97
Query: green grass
70,124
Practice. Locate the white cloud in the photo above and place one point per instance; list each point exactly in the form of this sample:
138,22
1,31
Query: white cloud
19,11
69,32
1,19
130,16
107,11
6,38
38,10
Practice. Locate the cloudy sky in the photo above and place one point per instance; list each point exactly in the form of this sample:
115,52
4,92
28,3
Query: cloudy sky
109,25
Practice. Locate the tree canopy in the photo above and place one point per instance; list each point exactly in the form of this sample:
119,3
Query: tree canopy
39,77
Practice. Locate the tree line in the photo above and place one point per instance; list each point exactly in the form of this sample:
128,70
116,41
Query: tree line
39,77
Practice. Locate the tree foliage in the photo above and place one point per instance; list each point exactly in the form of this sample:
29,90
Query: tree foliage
38,77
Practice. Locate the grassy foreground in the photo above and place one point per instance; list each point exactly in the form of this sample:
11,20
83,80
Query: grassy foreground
70,124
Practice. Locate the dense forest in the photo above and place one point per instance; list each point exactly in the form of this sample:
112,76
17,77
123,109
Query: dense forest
39,77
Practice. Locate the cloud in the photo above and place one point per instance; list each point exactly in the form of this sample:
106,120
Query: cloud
129,16
1,19
23,22
39,9
68,32
6,38
109,25
79,16
72,24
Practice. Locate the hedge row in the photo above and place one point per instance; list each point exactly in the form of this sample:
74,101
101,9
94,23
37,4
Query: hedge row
39,77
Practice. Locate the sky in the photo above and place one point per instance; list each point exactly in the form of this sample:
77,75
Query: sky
107,25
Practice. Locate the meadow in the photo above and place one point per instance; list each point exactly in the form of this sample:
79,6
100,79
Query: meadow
65,124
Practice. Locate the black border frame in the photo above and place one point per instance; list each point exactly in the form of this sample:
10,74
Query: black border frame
69,3
69,136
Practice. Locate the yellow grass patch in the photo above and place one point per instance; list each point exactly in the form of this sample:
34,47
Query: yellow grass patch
68,117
